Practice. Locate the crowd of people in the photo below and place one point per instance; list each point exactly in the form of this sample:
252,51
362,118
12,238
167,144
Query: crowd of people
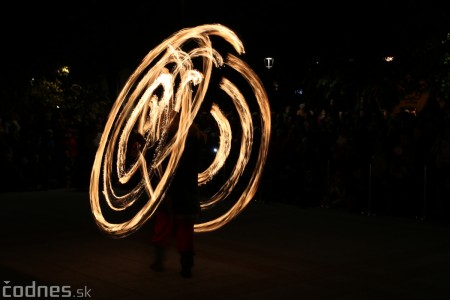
365,159
42,150
368,159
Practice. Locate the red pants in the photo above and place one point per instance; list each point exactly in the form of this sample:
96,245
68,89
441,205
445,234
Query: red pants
168,226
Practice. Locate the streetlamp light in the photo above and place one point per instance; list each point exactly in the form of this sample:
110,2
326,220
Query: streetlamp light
268,62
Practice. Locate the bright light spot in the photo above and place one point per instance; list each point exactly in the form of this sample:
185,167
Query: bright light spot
63,71
268,62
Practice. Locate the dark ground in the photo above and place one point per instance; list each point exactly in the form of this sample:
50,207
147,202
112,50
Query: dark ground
270,251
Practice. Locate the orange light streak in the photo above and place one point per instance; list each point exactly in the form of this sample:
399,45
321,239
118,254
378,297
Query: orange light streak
167,80
224,147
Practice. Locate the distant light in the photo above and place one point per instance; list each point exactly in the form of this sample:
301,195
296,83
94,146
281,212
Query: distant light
268,62
63,71
298,92
388,58
276,85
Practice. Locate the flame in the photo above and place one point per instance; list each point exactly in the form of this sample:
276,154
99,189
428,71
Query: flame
166,81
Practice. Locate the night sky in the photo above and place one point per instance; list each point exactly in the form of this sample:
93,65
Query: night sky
118,35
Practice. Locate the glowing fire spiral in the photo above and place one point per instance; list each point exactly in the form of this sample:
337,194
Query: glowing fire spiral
167,81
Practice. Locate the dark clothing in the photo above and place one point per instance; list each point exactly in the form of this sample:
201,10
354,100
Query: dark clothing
183,191
175,218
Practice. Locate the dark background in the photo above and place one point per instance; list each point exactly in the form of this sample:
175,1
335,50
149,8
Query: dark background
111,36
